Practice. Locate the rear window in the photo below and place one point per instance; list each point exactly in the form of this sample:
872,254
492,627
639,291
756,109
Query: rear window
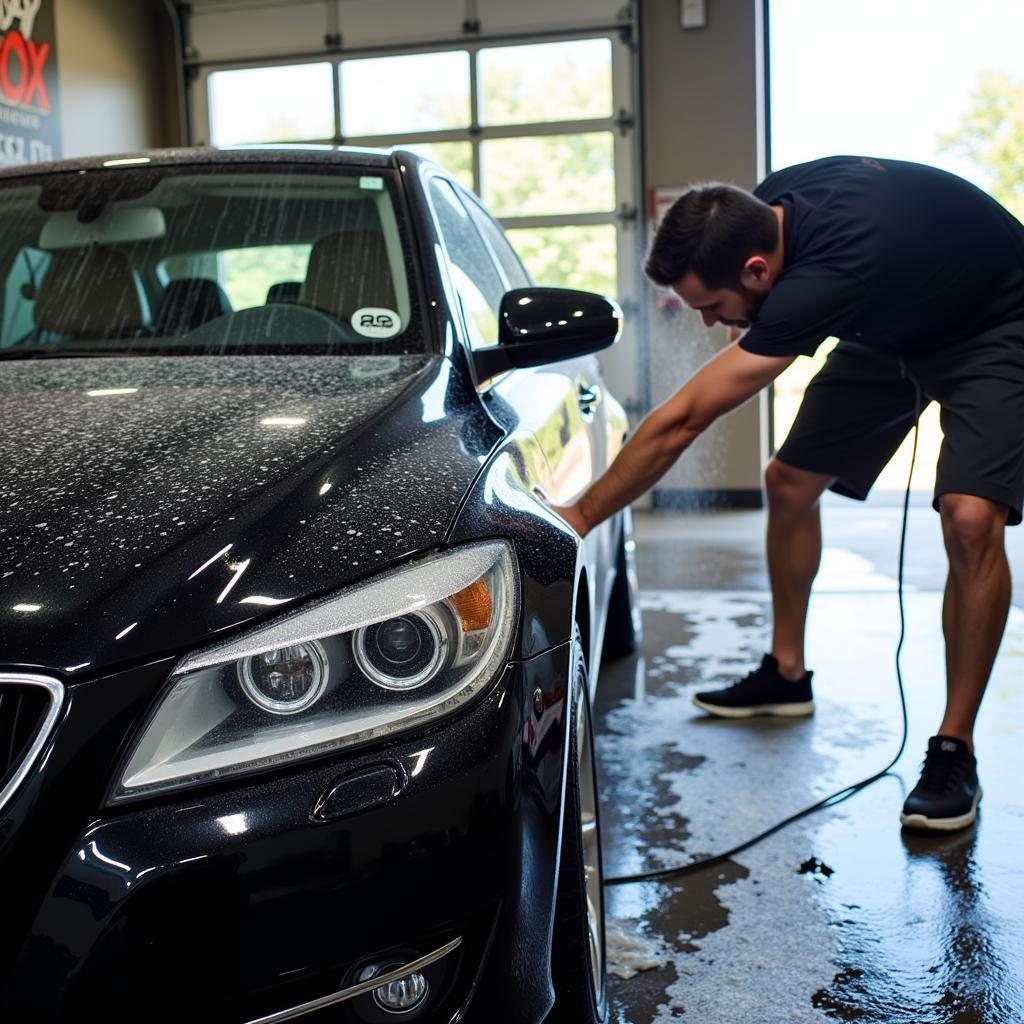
208,261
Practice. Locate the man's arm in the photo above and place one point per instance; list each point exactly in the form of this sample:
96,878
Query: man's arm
718,387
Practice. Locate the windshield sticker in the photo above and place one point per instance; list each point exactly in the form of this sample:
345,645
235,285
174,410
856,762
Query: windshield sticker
376,322
372,182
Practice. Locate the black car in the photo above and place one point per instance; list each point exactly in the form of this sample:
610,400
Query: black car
295,658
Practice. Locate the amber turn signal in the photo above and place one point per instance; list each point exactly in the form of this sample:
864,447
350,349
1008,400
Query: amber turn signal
473,606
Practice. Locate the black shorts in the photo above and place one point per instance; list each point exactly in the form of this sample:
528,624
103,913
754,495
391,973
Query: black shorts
860,407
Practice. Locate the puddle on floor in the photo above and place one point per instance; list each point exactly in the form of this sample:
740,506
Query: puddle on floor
840,916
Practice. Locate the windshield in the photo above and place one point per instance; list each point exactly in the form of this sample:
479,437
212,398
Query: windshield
207,261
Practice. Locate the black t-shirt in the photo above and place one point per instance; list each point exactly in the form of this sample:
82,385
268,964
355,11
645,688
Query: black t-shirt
895,255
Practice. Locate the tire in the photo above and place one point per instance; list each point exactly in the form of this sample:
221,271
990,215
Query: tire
578,944
623,630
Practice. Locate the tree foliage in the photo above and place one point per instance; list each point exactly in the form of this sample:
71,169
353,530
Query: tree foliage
991,136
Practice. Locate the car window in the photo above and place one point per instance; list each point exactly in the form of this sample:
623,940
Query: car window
249,277
190,260
27,269
476,278
507,256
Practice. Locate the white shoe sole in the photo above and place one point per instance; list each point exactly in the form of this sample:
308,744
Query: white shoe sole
796,709
943,824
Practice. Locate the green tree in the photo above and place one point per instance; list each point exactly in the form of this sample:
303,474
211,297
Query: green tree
991,136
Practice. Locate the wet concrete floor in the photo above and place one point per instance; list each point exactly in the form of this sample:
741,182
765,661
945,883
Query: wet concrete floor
841,916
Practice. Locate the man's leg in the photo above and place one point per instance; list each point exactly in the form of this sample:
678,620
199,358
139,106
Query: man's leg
794,554
854,414
781,686
976,603
974,611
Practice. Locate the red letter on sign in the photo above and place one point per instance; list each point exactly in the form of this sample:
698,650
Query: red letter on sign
36,84
14,45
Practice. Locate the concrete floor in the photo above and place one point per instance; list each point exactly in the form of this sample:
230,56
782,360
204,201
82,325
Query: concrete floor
840,916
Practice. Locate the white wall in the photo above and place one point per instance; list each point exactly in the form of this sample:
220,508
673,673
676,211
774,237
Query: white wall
115,67
702,121
230,29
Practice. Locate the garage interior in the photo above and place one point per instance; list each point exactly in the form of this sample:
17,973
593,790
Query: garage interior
839,916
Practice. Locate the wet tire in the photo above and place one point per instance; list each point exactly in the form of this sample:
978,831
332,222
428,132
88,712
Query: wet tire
578,945
623,630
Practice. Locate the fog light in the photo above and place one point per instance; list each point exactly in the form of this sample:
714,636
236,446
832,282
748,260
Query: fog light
401,996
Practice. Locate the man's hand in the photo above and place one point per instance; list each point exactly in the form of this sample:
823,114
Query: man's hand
573,516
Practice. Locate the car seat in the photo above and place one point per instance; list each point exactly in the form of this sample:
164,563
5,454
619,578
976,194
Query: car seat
188,303
347,271
284,291
91,291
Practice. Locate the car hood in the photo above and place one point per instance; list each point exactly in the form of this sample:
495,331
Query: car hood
148,504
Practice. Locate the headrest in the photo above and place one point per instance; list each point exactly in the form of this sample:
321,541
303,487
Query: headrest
89,291
189,302
347,271
284,291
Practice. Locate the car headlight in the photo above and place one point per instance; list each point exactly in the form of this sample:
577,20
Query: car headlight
381,657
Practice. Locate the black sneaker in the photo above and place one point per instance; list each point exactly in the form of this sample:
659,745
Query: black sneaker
948,794
763,692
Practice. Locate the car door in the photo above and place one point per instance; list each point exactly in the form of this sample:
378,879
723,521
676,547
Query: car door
563,404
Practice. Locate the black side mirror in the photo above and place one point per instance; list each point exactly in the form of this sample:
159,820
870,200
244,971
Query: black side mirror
546,325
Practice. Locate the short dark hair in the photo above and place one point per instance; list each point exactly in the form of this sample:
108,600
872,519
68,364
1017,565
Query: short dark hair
712,230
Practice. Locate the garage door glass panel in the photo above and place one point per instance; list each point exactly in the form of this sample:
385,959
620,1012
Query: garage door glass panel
410,93
219,261
549,174
260,104
581,256
546,82
455,157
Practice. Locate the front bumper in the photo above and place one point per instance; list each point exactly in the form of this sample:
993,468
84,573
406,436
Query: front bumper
240,902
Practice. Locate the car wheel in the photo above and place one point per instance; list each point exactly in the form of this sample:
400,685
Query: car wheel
623,629
578,947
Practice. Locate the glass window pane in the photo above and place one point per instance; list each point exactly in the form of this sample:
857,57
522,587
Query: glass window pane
509,260
475,277
570,257
247,275
549,174
411,93
313,262
26,272
259,104
455,157
546,82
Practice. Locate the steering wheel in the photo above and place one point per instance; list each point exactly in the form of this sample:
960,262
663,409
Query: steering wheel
280,323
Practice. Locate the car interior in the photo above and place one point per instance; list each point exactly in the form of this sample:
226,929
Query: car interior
158,271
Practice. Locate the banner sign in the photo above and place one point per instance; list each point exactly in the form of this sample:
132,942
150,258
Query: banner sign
29,117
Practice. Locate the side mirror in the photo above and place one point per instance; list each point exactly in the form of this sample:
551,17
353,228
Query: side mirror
546,325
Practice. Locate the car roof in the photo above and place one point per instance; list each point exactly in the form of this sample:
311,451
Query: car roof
340,156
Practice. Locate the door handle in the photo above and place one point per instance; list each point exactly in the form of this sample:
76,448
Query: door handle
590,397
